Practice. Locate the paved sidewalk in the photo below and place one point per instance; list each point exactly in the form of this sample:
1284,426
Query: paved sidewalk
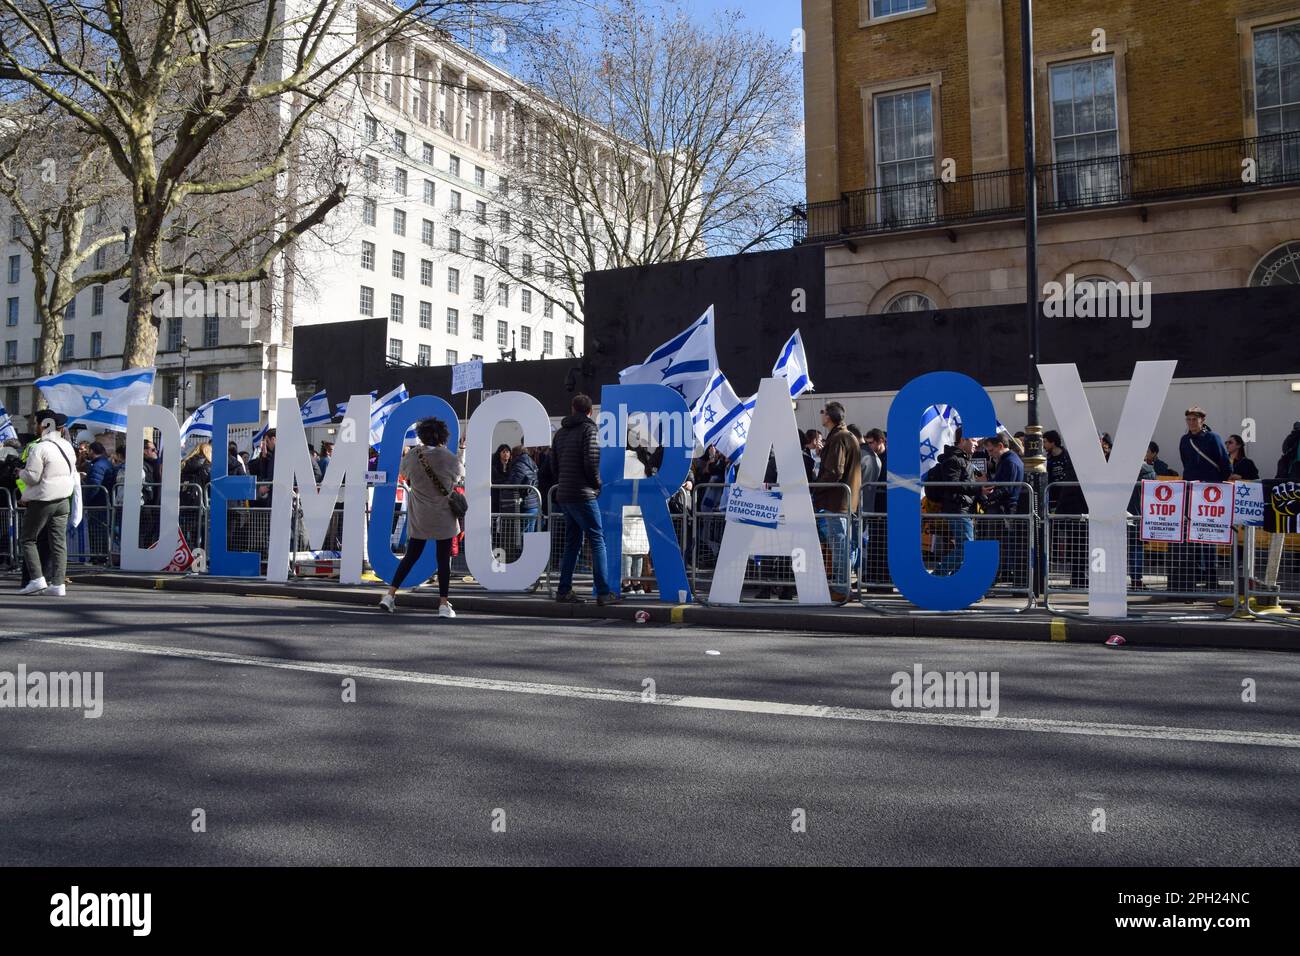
1168,624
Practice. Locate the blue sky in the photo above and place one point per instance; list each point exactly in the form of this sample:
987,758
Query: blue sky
775,17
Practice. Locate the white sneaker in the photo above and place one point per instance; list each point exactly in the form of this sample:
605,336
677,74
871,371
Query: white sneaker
56,590
34,586
387,603
446,610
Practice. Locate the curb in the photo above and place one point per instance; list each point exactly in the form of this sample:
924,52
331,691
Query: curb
1027,626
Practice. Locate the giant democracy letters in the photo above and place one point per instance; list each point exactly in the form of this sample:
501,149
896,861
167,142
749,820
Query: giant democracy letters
1106,486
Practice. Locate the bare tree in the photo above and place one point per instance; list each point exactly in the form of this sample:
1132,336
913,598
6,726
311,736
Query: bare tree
63,191
651,138
200,102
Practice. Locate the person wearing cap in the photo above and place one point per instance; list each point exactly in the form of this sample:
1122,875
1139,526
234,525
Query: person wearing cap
841,464
49,479
1205,458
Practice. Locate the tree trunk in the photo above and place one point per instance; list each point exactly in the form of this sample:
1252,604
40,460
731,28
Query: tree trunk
141,347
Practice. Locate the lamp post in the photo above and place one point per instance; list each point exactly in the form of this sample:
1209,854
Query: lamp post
1035,460
185,385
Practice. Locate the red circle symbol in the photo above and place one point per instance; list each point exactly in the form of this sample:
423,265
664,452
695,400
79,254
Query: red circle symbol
1164,492
1213,493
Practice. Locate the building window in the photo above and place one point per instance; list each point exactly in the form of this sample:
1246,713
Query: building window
503,334
548,343
15,226
101,257
905,155
476,327
394,350
368,255
69,347
526,264
568,346
428,192
426,315
479,176
208,386
70,310
173,334
370,169
427,154
528,229
548,308
480,250
399,265
396,308
425,357
96,344
453,357
504,220
426,272
372,129
453,322
480,212
503,257
454,202
503,294
367,300
453,165
1277,98
910,302
1085,131
453,240
453,281
399,222
526,300
11,311
526,337
369,211
569,314
479,287
889,8
211,331
97,300
399,141
399,181
11,352
426,232
15,268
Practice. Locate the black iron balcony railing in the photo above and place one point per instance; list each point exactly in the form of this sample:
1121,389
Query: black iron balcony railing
1230,166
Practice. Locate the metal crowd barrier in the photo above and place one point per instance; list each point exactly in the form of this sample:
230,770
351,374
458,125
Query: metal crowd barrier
943,540
8,530
104,526
1270,575
771,577
1162,572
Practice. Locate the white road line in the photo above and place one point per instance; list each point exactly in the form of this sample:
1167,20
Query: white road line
773,708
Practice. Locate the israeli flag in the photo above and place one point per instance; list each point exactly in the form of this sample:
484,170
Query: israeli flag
382,410
793,366
721,418
342,409
200,420
317,410
97,398
256,440
7,430
685,363
939,424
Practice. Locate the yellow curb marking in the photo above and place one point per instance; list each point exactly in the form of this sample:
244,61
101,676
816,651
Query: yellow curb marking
678,613
1058,629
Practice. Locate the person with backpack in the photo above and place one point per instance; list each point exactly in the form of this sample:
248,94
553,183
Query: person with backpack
957,498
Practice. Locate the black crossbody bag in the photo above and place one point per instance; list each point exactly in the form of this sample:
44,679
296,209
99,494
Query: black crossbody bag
457,501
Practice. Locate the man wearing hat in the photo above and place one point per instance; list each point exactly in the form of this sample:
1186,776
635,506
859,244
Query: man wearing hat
49,479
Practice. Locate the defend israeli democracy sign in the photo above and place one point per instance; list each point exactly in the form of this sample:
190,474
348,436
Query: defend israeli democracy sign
1248,504
756,506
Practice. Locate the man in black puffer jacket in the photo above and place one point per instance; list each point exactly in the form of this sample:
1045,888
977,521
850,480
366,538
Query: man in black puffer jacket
576,452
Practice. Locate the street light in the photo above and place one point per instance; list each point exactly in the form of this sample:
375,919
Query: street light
185,385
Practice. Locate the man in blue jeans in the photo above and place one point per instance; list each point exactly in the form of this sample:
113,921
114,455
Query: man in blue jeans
576,453
958,500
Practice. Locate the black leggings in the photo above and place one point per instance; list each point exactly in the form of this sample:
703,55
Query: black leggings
415,548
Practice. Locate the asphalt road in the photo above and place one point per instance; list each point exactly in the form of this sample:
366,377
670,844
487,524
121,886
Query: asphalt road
235,706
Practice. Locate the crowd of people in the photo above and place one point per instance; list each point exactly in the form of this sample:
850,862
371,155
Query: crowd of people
846,467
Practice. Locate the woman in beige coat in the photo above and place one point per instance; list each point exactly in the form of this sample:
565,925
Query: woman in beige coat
431,472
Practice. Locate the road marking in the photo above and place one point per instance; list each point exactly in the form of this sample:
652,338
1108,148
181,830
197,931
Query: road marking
1058,628
772,708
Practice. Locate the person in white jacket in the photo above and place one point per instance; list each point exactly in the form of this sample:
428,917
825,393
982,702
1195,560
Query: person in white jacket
50,479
